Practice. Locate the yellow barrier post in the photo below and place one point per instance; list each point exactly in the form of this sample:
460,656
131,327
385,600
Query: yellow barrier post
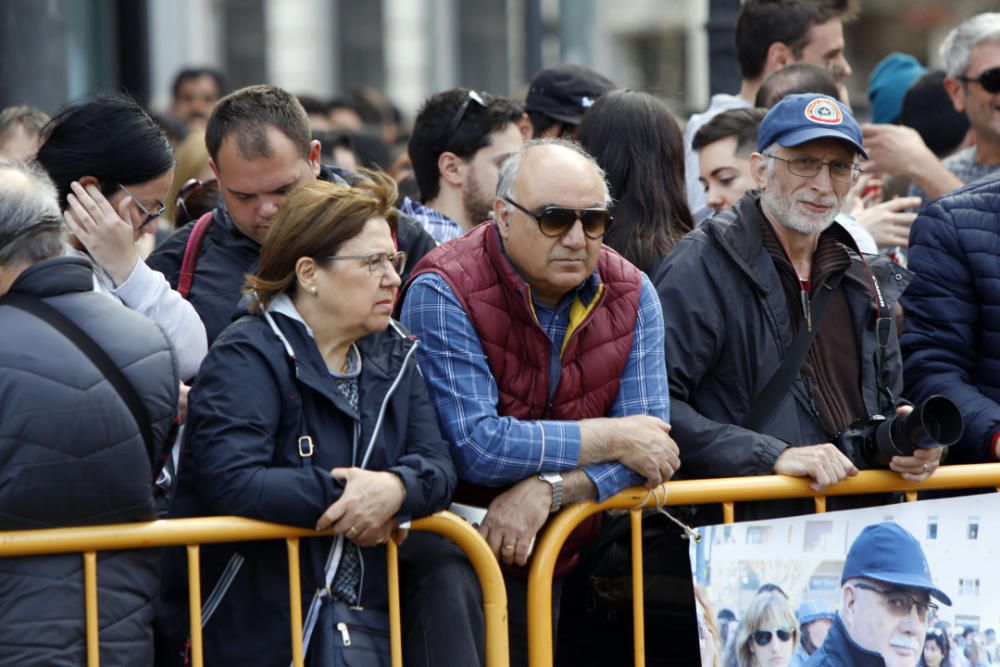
90,604
638,582
295,600
395,623
194,603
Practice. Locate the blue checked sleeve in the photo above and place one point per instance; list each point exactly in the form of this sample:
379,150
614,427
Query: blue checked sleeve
643,389
488,449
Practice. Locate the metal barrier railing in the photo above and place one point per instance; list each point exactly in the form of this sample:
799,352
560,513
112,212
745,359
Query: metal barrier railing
191,533
727,492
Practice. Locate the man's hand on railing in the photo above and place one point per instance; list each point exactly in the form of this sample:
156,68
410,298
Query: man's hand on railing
639,442
824,464
365,510
514,518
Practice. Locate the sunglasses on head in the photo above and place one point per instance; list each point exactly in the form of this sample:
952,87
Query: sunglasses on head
555,221
456,119
763,637
988,79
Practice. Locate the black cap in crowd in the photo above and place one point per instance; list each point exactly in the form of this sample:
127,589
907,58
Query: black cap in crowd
565,92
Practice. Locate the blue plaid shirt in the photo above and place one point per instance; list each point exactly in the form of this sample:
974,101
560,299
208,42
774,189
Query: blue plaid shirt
497,451
437,224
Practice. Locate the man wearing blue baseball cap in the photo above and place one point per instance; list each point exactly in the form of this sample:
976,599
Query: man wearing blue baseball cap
779,332
886,591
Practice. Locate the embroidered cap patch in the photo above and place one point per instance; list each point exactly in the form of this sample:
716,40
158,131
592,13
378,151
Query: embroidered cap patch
825,111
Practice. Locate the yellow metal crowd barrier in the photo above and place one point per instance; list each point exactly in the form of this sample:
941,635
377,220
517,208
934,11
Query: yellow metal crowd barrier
726,492
193,532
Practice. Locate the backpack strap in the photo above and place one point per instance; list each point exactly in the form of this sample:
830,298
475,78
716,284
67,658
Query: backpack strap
191,251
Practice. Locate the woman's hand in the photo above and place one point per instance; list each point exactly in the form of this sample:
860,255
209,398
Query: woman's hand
365,511
105,233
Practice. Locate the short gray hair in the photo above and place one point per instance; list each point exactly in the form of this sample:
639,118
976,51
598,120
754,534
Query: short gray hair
31,228
956,47
512,165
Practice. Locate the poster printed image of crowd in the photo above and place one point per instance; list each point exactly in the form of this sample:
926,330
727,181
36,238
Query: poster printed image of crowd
896,585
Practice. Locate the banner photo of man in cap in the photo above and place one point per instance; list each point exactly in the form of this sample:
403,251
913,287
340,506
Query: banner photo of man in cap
867,585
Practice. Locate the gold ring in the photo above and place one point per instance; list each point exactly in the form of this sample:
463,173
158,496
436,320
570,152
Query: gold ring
352,530
508,547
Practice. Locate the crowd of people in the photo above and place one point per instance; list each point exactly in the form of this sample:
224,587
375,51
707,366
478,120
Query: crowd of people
304,312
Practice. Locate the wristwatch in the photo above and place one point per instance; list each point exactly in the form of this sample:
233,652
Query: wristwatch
555,480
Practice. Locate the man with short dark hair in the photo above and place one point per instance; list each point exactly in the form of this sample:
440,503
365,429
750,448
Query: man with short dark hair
886,591
559,96
724,145
742,289
460,138
796,78
195,92
771,34
260,149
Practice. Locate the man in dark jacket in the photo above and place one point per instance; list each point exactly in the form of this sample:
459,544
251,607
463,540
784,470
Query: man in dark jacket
735,292
260,149
886,591
952,333
72,453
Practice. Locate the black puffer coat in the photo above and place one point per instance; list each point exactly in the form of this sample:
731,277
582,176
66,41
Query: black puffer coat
250,404
71,454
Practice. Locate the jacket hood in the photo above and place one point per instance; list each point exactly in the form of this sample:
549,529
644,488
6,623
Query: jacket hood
59,275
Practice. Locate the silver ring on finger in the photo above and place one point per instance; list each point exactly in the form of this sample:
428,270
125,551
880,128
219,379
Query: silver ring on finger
508,547
925,468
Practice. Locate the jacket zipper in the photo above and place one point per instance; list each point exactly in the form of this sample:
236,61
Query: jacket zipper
807,309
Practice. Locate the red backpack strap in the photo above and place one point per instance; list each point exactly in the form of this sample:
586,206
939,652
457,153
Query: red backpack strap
191,251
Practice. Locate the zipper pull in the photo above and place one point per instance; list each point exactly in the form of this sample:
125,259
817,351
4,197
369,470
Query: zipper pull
807,310
344,634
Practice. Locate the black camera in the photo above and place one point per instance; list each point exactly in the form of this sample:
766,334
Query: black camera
871,442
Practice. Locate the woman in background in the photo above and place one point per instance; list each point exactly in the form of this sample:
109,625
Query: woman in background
637,142
769,632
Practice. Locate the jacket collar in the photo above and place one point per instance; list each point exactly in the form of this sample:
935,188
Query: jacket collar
845,651
52,277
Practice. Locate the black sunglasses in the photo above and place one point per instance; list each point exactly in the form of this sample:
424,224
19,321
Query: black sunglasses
763,637
988,79
555,221
456,119
191,186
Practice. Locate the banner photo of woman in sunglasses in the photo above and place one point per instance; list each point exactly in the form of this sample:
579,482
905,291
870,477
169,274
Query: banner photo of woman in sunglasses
859,587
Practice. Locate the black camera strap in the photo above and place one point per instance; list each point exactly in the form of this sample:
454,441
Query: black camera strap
97,356
769,397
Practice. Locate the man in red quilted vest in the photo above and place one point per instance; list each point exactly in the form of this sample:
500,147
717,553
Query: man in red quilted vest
543,354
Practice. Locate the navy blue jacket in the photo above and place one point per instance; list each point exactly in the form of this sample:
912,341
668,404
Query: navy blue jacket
951,338
227,256
71,455
839,650
249,405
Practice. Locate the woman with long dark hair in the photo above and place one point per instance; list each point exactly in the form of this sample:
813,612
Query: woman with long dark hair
112,168
637,142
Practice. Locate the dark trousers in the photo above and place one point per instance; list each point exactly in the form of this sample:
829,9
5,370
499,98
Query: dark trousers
442,604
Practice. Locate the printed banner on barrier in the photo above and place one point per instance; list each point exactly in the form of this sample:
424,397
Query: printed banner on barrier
889,585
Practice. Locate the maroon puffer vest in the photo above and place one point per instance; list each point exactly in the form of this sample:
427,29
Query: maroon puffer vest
498,302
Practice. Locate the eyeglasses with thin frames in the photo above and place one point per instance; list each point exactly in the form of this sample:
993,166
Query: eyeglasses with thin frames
809,167
148,216
555,221
899,603
763,637
456,118
380,262
989,79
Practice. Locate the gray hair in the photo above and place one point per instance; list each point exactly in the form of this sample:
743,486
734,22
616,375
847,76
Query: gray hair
512,165
956,47
31,228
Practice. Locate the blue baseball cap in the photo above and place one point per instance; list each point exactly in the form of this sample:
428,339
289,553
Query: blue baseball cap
886,552
813,609
798,119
